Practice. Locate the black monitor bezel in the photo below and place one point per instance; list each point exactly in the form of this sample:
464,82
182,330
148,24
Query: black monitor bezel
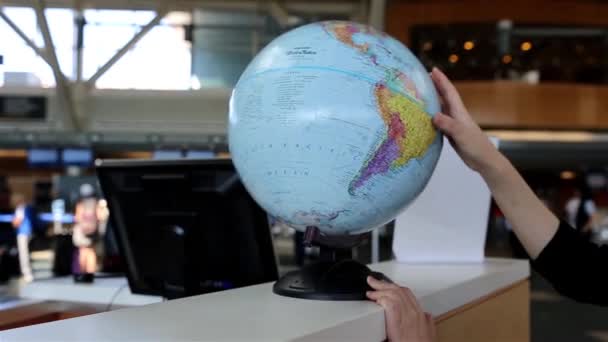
109,166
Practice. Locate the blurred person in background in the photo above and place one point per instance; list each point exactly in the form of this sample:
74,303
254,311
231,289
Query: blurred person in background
86,234
5,199
23,222
103,214
63,247
581,210
58,211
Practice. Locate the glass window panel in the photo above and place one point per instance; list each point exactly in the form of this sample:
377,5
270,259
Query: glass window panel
177,18
23,17
61,25
118,17
101,42
23,65
160,60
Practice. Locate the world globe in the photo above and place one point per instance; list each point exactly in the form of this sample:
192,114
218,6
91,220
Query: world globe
330,127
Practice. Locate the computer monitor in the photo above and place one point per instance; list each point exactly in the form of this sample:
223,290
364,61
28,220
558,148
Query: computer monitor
186,227
43,157
77,156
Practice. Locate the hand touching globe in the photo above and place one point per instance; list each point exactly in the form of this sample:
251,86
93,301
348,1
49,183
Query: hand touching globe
330,126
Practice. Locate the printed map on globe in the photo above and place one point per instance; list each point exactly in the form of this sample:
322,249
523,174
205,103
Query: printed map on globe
330,126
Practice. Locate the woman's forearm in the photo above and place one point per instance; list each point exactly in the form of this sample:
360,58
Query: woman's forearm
533,223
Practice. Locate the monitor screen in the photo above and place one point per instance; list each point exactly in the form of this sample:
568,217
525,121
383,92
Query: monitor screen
43,157
77,156
22,107
167,154
199,154
187,227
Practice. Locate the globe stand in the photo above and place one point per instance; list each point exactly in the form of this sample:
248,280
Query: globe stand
335,277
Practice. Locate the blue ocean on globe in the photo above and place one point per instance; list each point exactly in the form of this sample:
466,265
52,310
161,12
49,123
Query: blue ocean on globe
330,126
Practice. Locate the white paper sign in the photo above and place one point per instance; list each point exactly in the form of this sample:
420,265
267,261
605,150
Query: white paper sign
448,220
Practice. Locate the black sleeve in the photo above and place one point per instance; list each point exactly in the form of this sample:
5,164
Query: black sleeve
576,267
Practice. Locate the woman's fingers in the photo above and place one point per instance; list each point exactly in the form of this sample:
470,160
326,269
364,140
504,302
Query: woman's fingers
411,299
392,292
446,124
390,300
389,295
373,295
386,304
448,93
392,295
398,295
380,285
405,321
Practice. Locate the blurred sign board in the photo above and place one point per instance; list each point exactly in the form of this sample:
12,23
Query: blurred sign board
23,107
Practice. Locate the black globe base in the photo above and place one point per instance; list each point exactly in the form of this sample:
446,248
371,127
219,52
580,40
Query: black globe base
328,280
335,277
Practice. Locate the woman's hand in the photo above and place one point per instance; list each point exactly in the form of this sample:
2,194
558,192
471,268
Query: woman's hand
405,320
466,137
532,222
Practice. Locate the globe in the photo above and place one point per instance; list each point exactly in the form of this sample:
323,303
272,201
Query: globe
330,126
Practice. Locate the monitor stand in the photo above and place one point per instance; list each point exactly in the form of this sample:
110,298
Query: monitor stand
335,277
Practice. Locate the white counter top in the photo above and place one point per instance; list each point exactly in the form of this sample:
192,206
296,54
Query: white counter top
256,314
101,291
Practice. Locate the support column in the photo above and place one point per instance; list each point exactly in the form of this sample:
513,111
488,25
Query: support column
63,87
377,11
23,36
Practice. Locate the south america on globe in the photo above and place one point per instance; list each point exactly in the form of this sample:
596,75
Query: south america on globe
330,126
